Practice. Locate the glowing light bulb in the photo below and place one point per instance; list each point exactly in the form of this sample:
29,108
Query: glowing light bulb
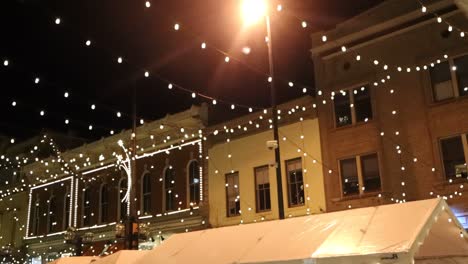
6,63
119,114
88,43
227,59
57,21
450,28
304,90
66,95
304,24
423,9
169,86
42,113
343,48
13,103
93,107
246,50
90,127
279,8
358,57
67,121
146,74
203,45
148,4
37,80
291,84
12,141
119,60
214,102
176,27
194,95
439,20
233,107
324,38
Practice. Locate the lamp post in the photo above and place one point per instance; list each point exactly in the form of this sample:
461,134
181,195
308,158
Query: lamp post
252,12
72,237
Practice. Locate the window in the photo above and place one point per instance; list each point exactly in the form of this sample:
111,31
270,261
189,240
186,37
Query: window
295,182
51,219
36,219
87,207
194,182
449,79
66,211
122,204
104,204
453,156
352,106
232,194
146,193
169,183
262,189
360,171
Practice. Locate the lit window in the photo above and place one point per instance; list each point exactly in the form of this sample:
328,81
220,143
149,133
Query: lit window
232,194
453,156
262,187
295,182
194,182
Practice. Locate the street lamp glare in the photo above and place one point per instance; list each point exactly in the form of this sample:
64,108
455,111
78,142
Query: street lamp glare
253,11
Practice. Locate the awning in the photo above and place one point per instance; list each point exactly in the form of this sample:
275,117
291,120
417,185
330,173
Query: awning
74,260
396,233
122,257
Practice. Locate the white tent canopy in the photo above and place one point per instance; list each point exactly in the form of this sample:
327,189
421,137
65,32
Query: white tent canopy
397,233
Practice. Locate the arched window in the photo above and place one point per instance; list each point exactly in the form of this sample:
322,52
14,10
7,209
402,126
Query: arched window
169,182
194,182
87,207
66,211
51,215
146,193
103,204
122,205
36,218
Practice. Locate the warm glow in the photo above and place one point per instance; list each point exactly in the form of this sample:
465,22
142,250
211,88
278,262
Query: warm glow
253,10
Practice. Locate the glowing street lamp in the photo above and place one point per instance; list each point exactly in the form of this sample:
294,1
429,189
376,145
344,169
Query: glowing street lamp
252,12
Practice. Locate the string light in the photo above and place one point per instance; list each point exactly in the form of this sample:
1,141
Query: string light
119,60
42,113
57,21
146,74
88,43
176,27
66,94
203,45
226,59
6,63
13,103
304,24
279,8
148,4
37,80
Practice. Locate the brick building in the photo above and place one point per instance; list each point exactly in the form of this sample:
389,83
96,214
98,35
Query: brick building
87,190
393,106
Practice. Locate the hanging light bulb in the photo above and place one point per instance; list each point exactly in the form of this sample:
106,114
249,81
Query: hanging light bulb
194,95
304,24
57,21
13,103
324,38
66,95
67,121
226,59
42,113
148,4
6,63
37,80
423,9
203,45
93,107
214,102
119,60
88,43
119,114
146,74
176,27
169,86
90,127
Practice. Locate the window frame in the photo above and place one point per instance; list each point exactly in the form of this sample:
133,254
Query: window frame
349,91
227,194
290,205
257,195
464,139
103,204
193,186
360,174
453,79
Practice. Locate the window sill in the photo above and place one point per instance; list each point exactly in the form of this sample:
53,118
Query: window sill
358,196
353,125
447,101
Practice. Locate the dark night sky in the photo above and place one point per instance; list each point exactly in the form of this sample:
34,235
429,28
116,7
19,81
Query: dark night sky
145,38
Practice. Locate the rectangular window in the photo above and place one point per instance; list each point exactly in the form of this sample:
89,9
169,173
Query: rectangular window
295,182
352,106
441,81
461,65
370,173
360,174
453,156
262,189
232,194
349,177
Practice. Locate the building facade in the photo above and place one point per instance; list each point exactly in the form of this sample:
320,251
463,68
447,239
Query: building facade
241,176
392,105
85,188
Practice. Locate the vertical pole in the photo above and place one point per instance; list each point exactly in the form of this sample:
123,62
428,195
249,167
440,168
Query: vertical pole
279,179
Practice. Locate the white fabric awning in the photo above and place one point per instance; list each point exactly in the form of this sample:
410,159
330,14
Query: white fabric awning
396,233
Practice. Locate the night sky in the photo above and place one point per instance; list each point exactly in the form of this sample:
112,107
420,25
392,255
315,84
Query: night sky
36,47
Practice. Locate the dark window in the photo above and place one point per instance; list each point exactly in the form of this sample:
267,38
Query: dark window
349,176
147,193
194,182
232,194
66,207
36,219
362,104
169,183
262,188
441,80
122,204
453,157
462,74
51,215
342,109
87,207
370,172
295,182
104,204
